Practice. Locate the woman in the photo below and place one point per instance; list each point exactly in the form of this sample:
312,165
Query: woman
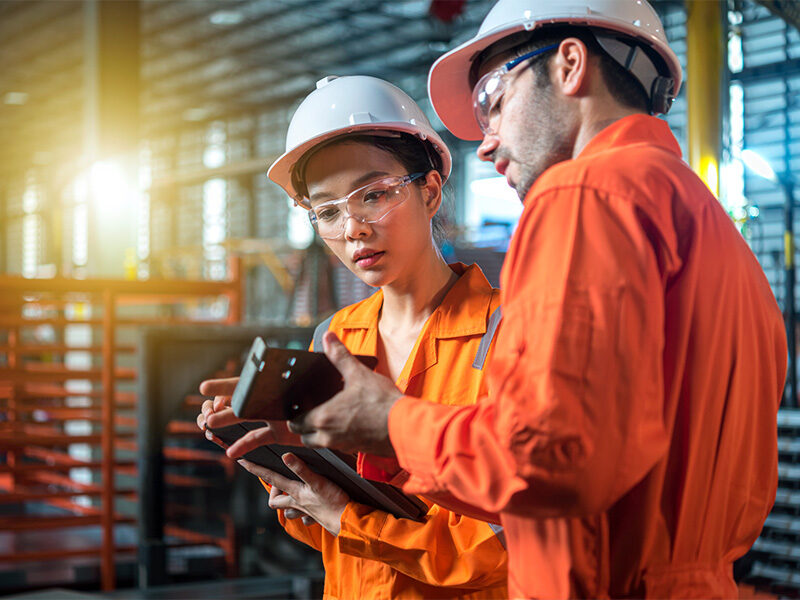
364,161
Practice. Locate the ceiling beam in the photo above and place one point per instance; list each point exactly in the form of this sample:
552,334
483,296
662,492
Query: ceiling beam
788,10
260,46
368,48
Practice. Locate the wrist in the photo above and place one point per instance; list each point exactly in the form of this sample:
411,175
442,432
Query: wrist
333,522
383,443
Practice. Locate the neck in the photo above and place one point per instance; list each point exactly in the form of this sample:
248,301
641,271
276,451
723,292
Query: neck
594,118
410,300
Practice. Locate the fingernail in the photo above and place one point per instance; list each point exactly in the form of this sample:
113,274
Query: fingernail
289,460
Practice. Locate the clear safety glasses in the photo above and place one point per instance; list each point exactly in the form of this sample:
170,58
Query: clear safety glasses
489,91
367,204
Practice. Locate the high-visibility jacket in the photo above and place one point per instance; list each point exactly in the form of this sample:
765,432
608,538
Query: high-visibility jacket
448,555
629,438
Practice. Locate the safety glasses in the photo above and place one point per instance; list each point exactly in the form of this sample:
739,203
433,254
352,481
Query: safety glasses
367,204
488,92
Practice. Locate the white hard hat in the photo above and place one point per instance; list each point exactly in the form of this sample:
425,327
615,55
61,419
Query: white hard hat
355,104
449,84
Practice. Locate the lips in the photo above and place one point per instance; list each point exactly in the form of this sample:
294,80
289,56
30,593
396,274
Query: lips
501,166
366,255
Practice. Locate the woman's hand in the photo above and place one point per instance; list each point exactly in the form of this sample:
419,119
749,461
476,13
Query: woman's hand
313,496
218,413
219,403
293,513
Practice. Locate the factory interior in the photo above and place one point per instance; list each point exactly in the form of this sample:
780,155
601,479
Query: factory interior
143,247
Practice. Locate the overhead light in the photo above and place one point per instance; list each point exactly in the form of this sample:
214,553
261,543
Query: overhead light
198,113
226,17
213,157
16,98
758,164
409,9
438,46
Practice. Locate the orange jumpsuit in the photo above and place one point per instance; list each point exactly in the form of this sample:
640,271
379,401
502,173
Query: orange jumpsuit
629,437
377,555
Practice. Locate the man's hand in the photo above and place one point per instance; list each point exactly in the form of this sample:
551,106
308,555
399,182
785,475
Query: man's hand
218,413
357,418
314,497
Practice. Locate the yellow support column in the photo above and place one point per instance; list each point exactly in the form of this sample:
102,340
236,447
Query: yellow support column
705,64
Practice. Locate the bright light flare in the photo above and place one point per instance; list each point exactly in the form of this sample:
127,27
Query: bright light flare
710,174
491,199
758,164
108,184
495,188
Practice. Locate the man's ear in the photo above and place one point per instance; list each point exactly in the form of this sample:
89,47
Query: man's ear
571,65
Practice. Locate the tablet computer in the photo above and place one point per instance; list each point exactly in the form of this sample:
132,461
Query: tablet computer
336,466
278,384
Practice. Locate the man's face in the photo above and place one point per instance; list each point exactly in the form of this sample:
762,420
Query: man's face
531,131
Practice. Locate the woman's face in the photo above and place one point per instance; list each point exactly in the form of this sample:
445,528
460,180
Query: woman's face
383,252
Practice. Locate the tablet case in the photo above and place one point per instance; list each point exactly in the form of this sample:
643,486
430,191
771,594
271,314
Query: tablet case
278,384
336,466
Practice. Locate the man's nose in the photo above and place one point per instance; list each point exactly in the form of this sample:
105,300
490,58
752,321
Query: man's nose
488,147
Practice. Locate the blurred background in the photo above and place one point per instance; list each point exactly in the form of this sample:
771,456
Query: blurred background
142,247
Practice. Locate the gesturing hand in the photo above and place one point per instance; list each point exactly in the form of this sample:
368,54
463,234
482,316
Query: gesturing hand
357,418
315,496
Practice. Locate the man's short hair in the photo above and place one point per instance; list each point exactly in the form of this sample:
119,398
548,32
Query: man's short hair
622,85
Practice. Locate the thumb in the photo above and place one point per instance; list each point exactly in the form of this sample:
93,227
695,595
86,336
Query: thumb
218,387
347,364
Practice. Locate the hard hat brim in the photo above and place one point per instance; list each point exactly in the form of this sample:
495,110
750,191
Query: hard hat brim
448,80
281,170
449,86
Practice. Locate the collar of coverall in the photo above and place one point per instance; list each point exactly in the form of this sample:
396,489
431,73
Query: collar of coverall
464,310
631,130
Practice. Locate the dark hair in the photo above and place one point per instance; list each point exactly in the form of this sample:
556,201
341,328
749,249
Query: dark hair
415,155
623,86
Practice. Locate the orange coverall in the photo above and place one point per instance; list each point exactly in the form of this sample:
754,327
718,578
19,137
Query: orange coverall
629,437
448,556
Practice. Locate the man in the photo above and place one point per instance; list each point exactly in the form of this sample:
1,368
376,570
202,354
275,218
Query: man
628,443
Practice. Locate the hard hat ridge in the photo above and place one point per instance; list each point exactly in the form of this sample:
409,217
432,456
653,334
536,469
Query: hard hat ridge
358,104
630,28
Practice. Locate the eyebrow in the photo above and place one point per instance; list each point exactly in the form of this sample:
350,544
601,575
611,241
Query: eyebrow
366,177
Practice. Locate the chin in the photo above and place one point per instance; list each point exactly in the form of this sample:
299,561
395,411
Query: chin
372,277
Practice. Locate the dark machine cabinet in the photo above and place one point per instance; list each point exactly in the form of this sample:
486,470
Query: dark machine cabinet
173,361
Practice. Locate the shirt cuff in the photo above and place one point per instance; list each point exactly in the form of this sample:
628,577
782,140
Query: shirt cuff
413,434
360,530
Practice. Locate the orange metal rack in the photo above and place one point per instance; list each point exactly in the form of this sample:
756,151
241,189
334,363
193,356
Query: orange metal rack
39,400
